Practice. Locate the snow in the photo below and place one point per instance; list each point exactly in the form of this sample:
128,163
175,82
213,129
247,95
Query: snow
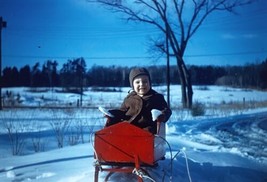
217,147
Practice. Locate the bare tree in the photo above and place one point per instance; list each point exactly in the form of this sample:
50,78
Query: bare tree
178,20
37,139
60,125
15,127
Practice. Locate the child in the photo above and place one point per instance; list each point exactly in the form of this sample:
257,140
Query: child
136,107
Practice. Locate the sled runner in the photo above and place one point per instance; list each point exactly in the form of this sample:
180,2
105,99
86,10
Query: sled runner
126,148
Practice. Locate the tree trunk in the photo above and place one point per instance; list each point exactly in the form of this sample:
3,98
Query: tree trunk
182,82
189,93
186,84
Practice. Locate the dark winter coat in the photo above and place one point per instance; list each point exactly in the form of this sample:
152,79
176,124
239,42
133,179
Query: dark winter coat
137,110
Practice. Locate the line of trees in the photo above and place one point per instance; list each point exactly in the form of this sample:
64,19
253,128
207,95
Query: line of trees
74,74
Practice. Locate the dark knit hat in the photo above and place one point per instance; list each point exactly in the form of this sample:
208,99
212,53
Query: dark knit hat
137,72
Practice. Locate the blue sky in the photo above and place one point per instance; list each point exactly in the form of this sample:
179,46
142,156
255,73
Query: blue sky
66,29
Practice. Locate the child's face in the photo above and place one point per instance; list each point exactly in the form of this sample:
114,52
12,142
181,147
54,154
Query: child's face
141,85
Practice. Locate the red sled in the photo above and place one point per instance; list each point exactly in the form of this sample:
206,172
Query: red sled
124,147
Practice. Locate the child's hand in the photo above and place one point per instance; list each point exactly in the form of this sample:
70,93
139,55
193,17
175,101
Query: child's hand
161,118
108,121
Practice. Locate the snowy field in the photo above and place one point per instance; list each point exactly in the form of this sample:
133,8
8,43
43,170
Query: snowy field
220,146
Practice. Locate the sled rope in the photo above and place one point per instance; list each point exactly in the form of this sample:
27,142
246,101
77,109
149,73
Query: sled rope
171,163
172,158
141,174
187,166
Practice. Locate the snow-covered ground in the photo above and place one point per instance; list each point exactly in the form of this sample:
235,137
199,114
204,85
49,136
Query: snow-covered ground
214,147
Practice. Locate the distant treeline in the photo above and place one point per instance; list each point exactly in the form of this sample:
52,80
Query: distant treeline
74,74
